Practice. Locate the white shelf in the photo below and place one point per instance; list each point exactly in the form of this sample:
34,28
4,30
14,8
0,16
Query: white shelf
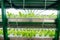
30,20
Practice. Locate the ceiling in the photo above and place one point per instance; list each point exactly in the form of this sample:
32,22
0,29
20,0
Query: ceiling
44,4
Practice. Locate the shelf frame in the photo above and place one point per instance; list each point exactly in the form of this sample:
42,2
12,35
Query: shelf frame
4,19
57,22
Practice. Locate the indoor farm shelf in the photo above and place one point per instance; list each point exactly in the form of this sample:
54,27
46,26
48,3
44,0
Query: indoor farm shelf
29,34
30,17
19,34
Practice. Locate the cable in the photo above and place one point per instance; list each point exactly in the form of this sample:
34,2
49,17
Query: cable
11,3
44,10
45,4
23,4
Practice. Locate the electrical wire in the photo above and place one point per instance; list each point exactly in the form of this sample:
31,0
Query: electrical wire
23,4
44,10
10,3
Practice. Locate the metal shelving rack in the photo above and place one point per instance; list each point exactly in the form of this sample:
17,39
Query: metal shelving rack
5,20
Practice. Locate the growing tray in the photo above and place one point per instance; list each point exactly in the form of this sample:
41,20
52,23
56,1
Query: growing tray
21,38
31,20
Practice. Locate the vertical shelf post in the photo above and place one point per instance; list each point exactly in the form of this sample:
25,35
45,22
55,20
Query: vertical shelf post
4,19
58,21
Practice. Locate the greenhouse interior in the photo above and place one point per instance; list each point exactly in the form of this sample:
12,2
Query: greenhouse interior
29,19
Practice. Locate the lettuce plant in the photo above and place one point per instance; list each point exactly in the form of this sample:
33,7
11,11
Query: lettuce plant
10,15
29,33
